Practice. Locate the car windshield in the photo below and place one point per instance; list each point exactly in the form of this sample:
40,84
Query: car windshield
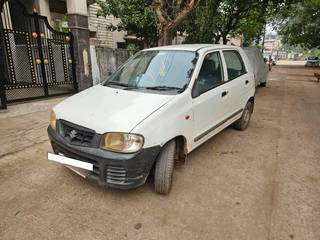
155,71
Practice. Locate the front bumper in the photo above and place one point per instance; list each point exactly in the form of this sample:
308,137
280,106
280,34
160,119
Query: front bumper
312,64
117,170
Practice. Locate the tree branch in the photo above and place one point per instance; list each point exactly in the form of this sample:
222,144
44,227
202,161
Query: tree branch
159,7
183,13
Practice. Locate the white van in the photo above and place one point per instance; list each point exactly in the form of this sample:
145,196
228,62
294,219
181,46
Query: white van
159,106
258,64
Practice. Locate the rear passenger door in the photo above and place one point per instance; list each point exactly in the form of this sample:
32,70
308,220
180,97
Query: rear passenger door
237,81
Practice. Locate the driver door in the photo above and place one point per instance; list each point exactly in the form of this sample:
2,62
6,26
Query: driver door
210,98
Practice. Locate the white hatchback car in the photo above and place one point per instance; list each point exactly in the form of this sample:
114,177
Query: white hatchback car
159,106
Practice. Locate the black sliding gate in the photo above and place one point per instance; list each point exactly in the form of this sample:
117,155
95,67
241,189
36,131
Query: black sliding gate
35,60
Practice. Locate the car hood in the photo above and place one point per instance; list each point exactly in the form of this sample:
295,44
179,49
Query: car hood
106,109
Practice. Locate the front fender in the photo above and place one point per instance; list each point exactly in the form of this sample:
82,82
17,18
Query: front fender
172,120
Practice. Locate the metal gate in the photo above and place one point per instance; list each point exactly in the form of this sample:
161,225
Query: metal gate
35,60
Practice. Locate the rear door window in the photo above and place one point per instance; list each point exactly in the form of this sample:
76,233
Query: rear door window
234,64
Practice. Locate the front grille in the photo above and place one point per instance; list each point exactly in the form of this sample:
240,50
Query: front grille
115,175
77,135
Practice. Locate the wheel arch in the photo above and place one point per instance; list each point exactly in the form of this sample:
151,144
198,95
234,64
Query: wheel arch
181,149
252,100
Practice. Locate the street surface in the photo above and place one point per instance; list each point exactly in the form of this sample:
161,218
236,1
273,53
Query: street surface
260,184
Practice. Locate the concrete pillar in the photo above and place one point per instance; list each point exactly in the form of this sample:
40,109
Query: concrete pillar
78,23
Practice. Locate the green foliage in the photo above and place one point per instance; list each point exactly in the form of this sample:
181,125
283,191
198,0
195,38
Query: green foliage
240,16
302,25
200,26
216,19
62,24
213,20
251,27
317,53
137,18
132,46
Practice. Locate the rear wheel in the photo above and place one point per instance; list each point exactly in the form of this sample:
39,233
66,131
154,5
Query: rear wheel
242,123
263,84
164,168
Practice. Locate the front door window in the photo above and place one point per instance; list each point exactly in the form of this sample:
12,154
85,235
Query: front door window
210,75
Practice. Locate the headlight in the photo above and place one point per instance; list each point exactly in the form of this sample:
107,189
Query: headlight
122,142
53,120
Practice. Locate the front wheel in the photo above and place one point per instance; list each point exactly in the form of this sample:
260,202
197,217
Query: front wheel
242,123
164,168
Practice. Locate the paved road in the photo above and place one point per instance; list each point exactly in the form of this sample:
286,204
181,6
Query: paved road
263,183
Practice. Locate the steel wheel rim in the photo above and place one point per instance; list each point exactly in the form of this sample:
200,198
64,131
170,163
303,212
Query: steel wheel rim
246,116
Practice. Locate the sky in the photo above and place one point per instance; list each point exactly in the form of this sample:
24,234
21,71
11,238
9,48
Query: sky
270,30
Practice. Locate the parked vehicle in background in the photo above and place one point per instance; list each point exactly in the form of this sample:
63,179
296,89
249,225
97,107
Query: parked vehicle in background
259,65
312,62
296,57
153,111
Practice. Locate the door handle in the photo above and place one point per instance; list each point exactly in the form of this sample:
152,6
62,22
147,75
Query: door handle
247,81
224,93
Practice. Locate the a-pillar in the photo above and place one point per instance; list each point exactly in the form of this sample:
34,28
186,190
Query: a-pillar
78,24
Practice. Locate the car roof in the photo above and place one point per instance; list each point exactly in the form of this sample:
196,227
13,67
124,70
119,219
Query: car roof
191,47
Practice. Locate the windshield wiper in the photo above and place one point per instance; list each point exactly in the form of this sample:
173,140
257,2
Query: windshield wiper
163,88
158,88
131,87
117,84
126,86
183,88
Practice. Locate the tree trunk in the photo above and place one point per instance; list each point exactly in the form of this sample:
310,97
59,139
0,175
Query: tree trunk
167,24
224,39
264,36
166,37
145,43
217,39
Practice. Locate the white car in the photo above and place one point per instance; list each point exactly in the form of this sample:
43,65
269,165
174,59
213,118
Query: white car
312,62
158,107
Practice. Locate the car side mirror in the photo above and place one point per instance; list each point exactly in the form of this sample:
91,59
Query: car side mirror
109,73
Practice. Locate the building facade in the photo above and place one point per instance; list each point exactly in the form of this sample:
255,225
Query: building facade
56,11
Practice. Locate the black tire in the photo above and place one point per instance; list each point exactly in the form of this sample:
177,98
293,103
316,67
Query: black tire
164,168
242,123
263,84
